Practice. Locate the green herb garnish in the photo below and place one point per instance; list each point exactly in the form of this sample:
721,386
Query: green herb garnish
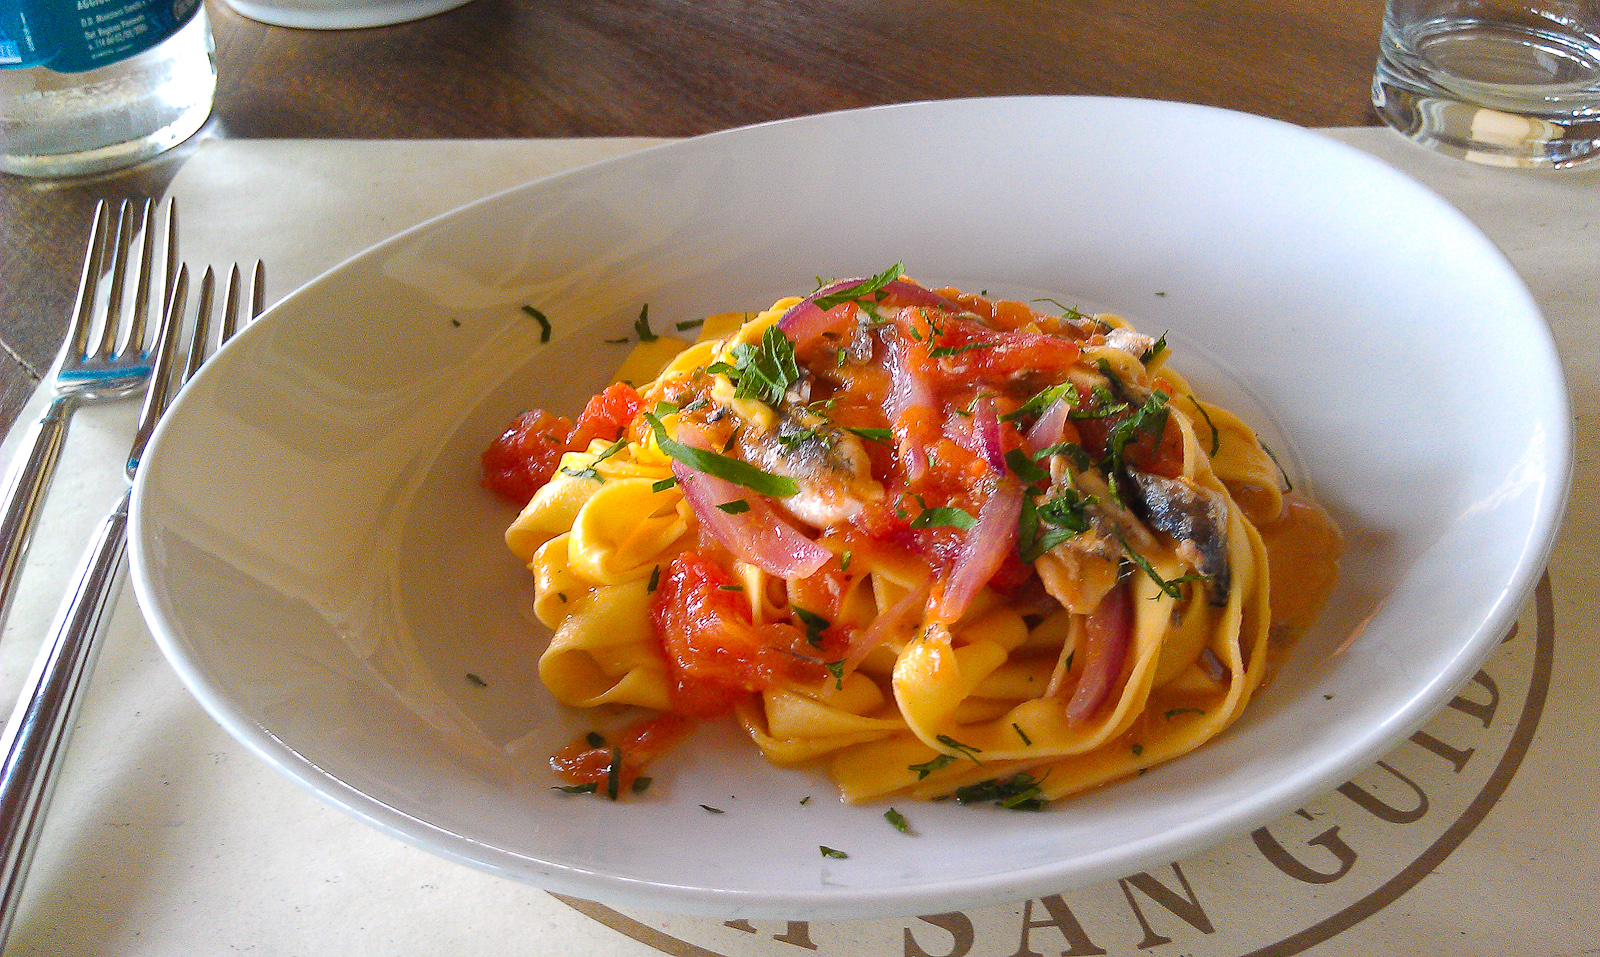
844,560
1024,467
639,784
688,324
943,517
721,466
476,681
664,484
860,290
589,472
544,324
815,625
762,372
945,352
898,820
967,751
641,325
1020,792
1155,349
836,669
713,810
736,507
886,436
595,739
587,787
655,579
1026,741
614,774
830,852
932,764
1043,400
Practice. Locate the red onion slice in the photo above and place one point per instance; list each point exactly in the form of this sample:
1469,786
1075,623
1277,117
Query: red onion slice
886,625
986,546
1109,633
805,321
758,535
907,392
1047,431
986,432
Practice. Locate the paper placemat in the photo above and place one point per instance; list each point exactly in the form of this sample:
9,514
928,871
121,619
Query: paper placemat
1476,836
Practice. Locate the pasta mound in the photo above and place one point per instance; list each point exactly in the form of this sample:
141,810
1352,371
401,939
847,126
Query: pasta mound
938,544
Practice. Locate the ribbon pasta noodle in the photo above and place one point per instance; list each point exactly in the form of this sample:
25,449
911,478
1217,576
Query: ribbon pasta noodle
936,544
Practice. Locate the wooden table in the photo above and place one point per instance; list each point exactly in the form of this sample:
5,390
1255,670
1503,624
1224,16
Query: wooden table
547,68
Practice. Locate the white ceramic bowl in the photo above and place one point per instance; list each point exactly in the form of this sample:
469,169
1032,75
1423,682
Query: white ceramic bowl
317,560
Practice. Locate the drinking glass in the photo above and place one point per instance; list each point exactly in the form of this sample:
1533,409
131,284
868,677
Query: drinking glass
1493,81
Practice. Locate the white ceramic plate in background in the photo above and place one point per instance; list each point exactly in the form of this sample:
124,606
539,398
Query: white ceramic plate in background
317,560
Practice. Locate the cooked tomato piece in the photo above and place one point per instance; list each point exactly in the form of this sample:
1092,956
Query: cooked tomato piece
606,416
526,454
591,760
715,654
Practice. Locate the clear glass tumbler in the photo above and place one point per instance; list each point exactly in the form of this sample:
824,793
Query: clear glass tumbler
1493,81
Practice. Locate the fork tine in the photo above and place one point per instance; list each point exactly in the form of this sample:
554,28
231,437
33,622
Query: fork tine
89,283
230,307
202,325
134,340
119,273
258,289
169,255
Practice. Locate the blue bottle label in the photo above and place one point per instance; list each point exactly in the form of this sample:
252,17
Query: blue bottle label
69,36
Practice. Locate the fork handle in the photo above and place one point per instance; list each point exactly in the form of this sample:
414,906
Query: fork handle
25,488
36,735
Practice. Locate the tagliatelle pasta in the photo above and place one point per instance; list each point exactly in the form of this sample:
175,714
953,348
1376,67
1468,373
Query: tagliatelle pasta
935,544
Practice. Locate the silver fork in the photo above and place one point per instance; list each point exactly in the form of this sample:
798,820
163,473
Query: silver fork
36,737
119,365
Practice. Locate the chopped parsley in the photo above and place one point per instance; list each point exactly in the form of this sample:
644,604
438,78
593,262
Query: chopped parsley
1020,792
886,436
587,787
830,852
735,507
844,560
641,325
815,625
932,764
1168,586
945,352
640,784
721,466
967,751
655,579
898,820
1169,715
1026,741
1042,400
1216,436
1151,419
614,774
762,372
713,810
860,290
836,670
476,681
589,472
688,324
1041,526
944,517
595,739
1158,347
544,324
664,484
1024,467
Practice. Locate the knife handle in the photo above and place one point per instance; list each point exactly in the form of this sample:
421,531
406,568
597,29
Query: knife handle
24,494
36,736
